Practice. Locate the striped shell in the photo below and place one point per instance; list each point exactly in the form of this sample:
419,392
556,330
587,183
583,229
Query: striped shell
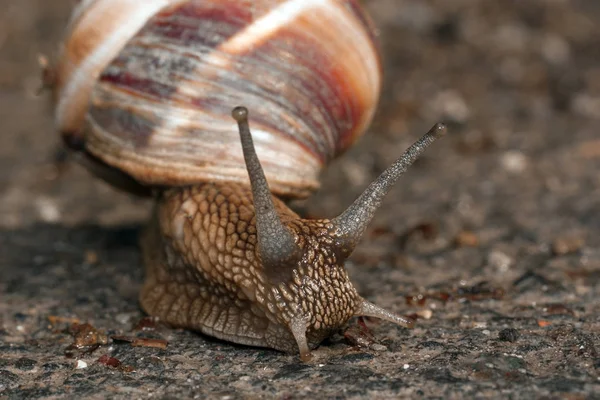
149,86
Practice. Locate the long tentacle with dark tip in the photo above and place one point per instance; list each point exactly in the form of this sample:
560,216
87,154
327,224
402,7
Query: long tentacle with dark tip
367,309
276,243
353,222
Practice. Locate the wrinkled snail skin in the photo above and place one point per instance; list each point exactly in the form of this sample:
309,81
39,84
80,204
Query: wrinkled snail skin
144,92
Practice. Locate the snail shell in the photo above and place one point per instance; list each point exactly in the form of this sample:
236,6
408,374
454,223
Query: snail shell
148,86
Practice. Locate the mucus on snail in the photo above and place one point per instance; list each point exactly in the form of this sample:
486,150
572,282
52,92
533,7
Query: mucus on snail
144,93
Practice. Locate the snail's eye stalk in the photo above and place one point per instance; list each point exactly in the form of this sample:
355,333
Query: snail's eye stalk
275,242
352,223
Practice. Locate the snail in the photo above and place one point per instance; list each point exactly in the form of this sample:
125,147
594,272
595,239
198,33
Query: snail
144,93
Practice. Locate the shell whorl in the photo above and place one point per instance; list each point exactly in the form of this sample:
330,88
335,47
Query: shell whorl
96,33
309,71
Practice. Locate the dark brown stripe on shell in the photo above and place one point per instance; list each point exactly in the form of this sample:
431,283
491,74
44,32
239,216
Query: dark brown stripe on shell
128,82
120,122
196,24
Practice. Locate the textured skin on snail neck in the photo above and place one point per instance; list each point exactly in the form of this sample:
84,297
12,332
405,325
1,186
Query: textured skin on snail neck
204,272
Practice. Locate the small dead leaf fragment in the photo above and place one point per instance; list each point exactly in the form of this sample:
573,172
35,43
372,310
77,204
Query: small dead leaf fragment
109,361
146,324
359,335
567,245
141,342
86,339
91,257
466,239
114,363
557,309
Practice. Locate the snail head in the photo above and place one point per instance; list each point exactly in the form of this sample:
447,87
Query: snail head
292,250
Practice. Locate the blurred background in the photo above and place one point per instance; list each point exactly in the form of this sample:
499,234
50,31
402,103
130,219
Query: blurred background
518,81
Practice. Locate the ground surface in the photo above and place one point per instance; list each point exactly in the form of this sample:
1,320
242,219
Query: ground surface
495,232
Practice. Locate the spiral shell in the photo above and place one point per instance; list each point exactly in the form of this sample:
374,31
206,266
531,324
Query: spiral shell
149,86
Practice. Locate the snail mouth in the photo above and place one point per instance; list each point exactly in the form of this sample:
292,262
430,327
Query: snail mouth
284,271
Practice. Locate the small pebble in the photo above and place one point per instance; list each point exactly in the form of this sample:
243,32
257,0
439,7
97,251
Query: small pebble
514,161
425,314
123,318
406,366
509,335
81,364
555,49
378,347
500,260
450,105
48,209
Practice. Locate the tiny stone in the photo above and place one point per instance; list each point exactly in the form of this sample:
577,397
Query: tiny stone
81,364
406,366
378,347
123,318
425,314
48,209
509,335
514,161
450,105
500,260
555,49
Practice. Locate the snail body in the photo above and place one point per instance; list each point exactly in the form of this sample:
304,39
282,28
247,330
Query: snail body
146,89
